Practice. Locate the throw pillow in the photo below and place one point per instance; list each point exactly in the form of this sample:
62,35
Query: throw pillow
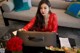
22,5
18,4
29,2
74,9
78,0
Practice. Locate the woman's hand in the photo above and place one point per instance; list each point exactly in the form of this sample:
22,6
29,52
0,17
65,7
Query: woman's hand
57,34
22,29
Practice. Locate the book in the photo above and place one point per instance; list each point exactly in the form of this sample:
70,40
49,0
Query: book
67,42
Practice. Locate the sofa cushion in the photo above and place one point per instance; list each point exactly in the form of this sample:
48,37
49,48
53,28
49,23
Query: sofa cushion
65,19
35,2
8,6
25,15
74,9
61,4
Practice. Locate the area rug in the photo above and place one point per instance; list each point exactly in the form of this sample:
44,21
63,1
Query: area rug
63,31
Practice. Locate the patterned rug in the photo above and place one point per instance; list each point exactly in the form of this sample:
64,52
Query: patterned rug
63,31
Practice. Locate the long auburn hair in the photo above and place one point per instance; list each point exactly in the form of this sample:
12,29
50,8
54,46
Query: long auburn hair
40,22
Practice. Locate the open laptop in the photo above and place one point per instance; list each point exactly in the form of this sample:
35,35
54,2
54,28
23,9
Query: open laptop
40,39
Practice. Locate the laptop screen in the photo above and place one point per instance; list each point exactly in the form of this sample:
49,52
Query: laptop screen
41,39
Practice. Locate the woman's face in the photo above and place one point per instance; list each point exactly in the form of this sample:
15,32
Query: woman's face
44,9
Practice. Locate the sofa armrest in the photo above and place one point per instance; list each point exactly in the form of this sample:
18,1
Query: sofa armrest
8,6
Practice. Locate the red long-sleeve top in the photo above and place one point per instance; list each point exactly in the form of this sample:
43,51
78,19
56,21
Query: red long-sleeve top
51,27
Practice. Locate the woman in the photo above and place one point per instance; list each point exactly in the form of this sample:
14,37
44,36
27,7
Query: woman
44,20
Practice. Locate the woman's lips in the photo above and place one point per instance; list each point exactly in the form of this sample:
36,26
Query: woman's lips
43,13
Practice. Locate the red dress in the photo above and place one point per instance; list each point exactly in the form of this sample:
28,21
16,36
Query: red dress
51,27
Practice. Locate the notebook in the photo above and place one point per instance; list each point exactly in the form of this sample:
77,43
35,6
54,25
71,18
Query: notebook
40,39
67,42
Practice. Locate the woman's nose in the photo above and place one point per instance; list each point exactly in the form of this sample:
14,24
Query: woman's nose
42,10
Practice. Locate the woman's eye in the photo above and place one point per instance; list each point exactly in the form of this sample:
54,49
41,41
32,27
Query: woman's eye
45,8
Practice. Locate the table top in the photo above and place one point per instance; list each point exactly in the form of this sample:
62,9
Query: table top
63,49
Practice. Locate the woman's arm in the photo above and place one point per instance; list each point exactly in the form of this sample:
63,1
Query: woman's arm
29,25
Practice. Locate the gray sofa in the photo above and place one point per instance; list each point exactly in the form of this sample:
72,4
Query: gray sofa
58,6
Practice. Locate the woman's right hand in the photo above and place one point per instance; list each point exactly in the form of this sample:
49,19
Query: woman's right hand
22,29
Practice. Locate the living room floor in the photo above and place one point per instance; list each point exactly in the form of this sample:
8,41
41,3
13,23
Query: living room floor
63,31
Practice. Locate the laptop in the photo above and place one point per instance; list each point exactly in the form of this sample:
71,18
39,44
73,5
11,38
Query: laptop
38,39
